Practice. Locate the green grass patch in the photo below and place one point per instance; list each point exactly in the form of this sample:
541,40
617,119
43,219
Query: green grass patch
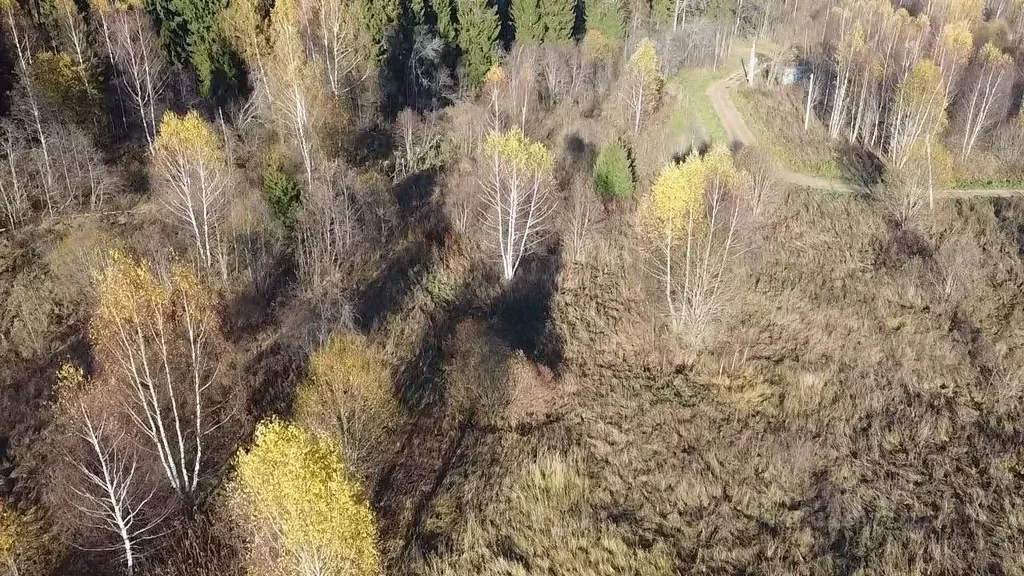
694,105
775,115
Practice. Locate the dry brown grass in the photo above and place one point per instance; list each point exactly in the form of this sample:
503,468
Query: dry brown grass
852,419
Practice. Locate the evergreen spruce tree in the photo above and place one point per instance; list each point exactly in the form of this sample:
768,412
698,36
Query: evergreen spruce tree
558,18
478,34
606,17
661,11
528,17
379,19
445,12
208,51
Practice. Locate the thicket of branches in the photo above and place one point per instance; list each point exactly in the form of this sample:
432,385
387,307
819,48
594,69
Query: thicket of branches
350,286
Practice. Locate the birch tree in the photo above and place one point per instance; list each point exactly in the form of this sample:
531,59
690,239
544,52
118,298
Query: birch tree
194,178
72,36
643,83
305,514
919,110
135,51
986,95
28,105
158,338
691,218
113,499
13,177
517,206
295,86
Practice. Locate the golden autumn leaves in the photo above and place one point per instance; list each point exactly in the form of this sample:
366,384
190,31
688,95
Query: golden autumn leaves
293,488
678,194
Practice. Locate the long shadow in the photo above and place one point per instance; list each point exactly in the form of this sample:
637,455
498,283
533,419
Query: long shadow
522,313
277,371
253,309
425,228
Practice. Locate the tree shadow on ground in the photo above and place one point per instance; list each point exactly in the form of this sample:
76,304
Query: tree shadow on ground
424,229
860,165
522,313
252,309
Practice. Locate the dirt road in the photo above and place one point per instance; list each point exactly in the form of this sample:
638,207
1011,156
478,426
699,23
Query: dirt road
740,135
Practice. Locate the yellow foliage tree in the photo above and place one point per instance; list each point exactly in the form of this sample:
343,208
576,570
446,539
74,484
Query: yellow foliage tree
690,201
194,177
516,195
643,82
22,543
348,395
159,338
919,110
306,515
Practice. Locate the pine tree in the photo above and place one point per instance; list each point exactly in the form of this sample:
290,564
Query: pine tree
558,17
445,11
478,34
528,18
606,26
379,19
207,49
613,175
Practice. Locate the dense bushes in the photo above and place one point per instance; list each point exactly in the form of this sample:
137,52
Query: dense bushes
613,171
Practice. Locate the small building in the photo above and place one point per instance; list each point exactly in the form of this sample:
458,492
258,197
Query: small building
790,74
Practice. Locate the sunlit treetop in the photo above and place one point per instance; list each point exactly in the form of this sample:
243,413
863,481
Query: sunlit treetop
496,76
992,54
72,383
965,10
645,58
189,135
294,483
59,77
128,290
677,196
107,6
22,542
956,41
242,26
514,147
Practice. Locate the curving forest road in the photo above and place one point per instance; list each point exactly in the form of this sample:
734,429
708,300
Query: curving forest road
740,134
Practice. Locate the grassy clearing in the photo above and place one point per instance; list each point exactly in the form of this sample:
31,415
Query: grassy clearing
695,109
987,170
776,117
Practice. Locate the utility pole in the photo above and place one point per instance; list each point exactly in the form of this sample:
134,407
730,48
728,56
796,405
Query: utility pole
810,96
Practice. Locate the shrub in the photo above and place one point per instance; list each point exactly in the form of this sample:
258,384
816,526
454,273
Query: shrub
27,316
545,515
22,543
613,171
282,192
348,395
292,492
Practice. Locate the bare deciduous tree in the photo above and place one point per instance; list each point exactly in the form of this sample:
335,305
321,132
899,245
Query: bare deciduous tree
136,52
194,176
517,207
326,226
13,183
114,499
159,338
987,91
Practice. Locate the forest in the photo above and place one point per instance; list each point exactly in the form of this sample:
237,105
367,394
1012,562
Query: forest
511,287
